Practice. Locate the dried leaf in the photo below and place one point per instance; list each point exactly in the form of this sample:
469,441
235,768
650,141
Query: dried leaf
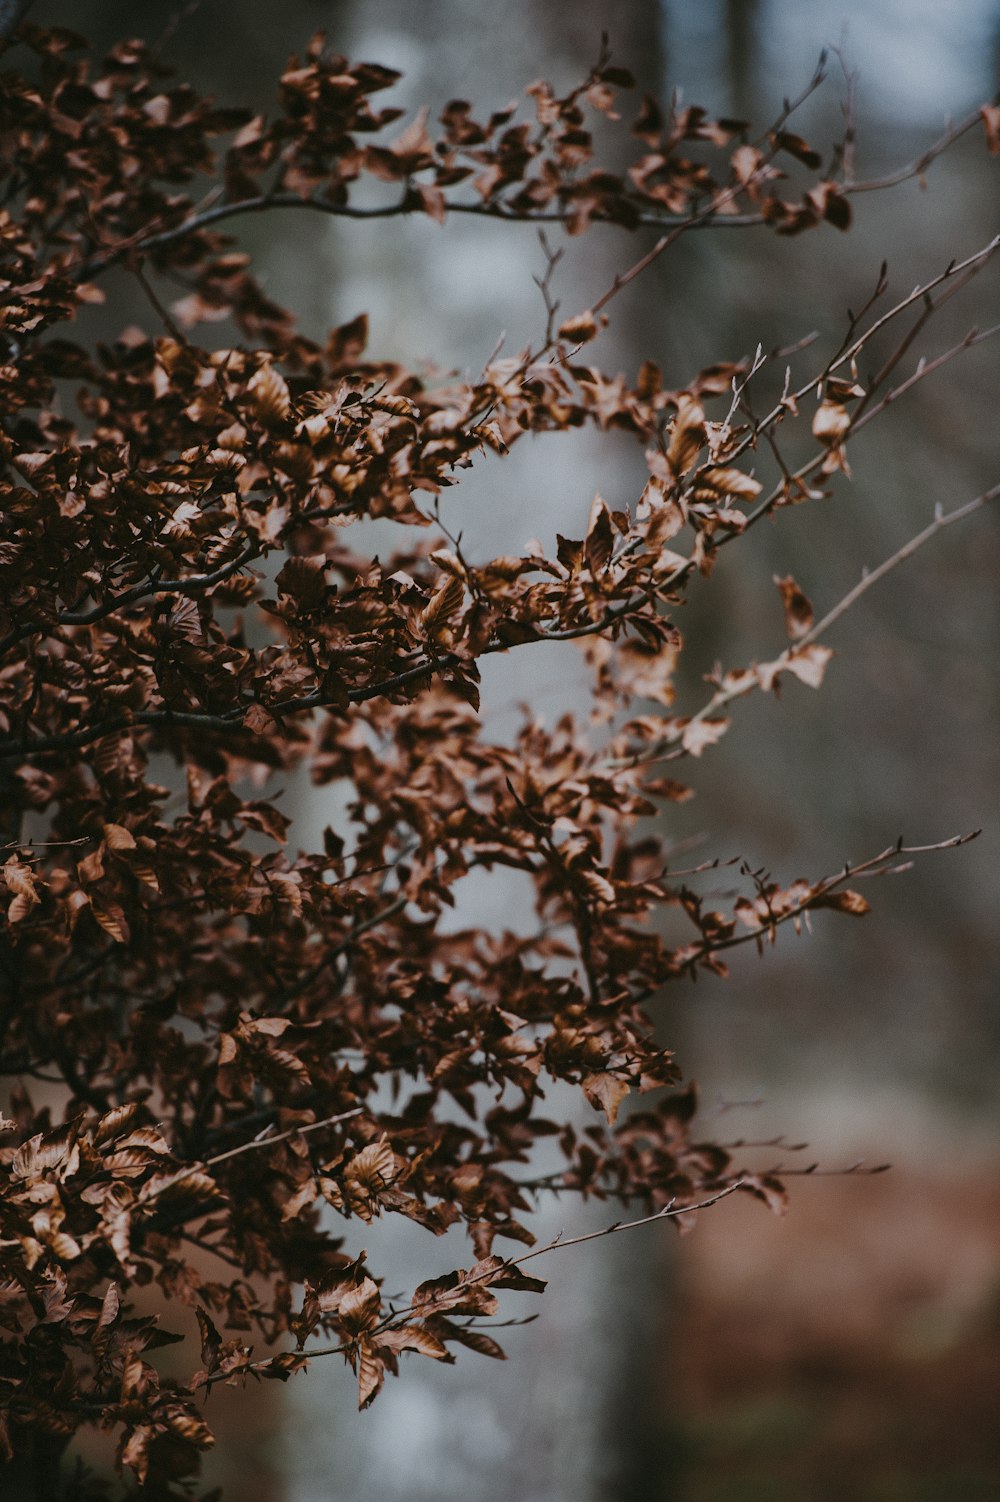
269,395
606,1092
798,610
809,663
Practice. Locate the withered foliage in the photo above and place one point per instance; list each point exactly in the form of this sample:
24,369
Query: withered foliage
226,1053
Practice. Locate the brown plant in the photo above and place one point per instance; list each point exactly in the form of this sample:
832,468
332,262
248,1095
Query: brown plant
216,1015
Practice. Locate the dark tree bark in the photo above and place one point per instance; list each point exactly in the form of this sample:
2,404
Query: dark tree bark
12,13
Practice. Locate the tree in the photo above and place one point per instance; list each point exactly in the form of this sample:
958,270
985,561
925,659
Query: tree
244,1051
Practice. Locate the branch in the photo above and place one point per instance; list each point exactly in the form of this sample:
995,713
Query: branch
723,696
941,520
193,584
852,347
875,865
710,217
919,166
400,1317
230,719
171,1221
267,1140
924,369
669,1211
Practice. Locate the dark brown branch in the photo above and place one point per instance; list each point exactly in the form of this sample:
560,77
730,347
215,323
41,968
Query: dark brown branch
193,584
230,719
703,219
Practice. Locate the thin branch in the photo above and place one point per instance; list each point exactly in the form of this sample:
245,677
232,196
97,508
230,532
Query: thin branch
659,750
164,314
193,584
821,889
919,166
255,1145
384,916
924,369
669,1211
852,347
401,1316
709,217
230,719
270,1140
941,520
167,719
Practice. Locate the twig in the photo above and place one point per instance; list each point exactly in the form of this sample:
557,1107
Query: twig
193,584
270,1140
707,218
167,719
384,916
166,317
669,1211
821,889
723,696
941,520
400,1317
261,1141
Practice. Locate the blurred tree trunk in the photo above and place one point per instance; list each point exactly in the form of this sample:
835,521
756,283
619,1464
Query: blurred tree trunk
742,22
33,1474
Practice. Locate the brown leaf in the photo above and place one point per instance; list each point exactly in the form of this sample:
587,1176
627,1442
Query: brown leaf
579,329
687,435
414,1338
699,734
809,663
606,1092
798,610
345,345
371,1373
269,396
443,604
111,918
117,837
843,902
990,114
360,1305
110,1306
730,482
767,1188
831,423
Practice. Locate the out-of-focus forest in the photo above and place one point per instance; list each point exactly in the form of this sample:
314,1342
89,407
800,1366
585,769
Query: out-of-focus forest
849,1351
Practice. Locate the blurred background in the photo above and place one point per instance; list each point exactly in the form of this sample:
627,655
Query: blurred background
850,1350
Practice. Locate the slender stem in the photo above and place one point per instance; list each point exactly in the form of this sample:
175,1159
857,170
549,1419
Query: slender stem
724,696
271,1139
710,217
941,520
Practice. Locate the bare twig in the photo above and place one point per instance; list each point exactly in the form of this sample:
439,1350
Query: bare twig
660,749
669,1211
941,520
270,1139
821,889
